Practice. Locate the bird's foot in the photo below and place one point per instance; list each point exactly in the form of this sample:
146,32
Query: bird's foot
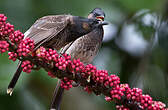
10,91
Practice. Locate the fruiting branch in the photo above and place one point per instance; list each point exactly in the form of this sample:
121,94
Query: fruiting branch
61,66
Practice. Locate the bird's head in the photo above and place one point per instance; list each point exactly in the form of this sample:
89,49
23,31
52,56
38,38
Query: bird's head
97,13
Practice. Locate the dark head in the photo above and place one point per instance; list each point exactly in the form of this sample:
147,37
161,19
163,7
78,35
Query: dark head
81,26
97,13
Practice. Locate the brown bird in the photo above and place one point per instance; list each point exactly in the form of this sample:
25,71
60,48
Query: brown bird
55,32
84,48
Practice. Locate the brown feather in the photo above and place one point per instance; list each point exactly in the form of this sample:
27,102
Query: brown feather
46,28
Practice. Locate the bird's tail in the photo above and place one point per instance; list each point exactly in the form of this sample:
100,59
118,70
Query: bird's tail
57,97
14,79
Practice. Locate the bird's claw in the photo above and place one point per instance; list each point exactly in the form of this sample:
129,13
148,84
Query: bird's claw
88,79
10,91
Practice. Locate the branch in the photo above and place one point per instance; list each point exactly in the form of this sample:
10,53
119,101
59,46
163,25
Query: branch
61,66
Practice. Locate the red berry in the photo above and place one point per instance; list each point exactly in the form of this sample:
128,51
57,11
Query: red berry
27,66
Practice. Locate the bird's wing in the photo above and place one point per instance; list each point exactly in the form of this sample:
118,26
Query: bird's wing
65,48
46,28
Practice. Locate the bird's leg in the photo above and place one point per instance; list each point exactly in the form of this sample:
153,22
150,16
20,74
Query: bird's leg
14,79
57,97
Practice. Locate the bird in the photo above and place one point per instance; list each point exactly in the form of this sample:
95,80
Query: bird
84,48
55,31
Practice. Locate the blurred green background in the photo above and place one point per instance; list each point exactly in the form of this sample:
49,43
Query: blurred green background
135,48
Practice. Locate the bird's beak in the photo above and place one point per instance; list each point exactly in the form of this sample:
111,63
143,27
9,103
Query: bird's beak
100,18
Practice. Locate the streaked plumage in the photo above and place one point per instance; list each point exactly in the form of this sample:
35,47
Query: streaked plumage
84,48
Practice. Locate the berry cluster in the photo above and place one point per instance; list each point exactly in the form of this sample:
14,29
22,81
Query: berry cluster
2,19
116,93
51,55
111,81
3,46
121,107
158,105
134,97
66,83
76,66
146,102
16,37
89,71
6,29
96,80
27,66
63,62
25,47
100,76
12,56
47,55
41,52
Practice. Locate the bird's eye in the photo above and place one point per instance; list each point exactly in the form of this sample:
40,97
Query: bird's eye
95,14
